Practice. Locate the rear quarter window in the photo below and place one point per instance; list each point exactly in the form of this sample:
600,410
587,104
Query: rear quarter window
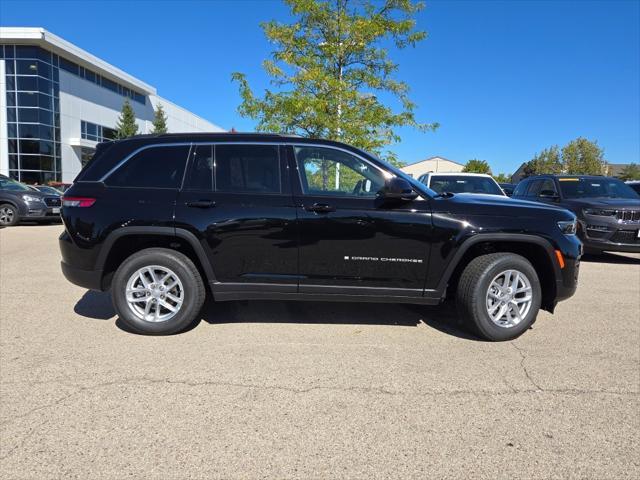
153,167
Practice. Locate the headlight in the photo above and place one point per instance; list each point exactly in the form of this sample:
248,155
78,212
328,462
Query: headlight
31,198
568,227
599,212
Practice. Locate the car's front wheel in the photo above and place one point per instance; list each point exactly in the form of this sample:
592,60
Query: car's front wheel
8,215
500,295
157,291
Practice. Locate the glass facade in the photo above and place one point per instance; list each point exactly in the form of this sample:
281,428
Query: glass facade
33,110
33,113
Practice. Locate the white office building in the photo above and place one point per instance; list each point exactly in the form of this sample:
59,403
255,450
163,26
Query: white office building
58,101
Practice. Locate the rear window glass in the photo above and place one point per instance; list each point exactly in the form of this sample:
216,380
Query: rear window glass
464,184
155,167
247,168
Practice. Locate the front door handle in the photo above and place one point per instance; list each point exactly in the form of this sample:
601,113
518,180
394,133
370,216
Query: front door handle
201,204
320,208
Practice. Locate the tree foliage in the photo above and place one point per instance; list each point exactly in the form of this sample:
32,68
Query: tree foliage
126,126
328,68
630,172
547,161
159,120
502,178
477,166
583,157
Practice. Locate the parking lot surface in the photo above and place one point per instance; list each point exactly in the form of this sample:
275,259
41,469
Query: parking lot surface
312,390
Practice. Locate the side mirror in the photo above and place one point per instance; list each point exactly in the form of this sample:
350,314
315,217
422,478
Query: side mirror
397,188
548,195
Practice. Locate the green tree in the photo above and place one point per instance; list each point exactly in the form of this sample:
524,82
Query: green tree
477,166
328,68
630,172
547,161
583,157
126,126
502,178
159,120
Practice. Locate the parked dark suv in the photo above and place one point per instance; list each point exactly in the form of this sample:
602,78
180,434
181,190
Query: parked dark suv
19,202
608,210
257,216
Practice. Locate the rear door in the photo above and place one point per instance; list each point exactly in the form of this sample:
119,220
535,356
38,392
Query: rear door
236,200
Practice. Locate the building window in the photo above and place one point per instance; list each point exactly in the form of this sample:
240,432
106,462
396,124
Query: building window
97,133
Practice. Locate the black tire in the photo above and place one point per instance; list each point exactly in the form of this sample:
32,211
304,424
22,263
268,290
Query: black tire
193,291
471,294
7,210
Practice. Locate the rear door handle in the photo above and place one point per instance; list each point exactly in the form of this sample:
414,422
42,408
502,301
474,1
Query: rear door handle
320,208
201,204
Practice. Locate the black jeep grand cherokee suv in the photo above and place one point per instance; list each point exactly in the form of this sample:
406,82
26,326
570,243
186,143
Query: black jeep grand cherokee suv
256,216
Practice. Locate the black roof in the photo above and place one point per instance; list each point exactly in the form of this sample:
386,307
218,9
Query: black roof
562,175
222,137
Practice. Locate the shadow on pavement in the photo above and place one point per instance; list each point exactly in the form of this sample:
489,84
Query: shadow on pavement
97,305
612,258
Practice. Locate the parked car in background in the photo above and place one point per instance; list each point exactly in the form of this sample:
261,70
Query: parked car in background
635,184
19,202
161,219
608,210
461,183
63,187
507,188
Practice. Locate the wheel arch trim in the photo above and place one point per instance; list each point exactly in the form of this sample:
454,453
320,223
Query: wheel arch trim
495,237
178,233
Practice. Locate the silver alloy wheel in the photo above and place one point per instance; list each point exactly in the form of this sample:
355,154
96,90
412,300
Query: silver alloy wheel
509,298
154,293
6,215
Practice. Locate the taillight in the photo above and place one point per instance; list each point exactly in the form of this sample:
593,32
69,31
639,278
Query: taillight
77,201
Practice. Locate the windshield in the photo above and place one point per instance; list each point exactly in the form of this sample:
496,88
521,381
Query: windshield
47,189
464,184
573,187
8,184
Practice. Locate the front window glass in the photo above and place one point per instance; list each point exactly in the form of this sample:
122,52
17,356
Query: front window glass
574,187
464,184
326,171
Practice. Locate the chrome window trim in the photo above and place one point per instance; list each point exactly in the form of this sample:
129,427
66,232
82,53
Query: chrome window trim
182,144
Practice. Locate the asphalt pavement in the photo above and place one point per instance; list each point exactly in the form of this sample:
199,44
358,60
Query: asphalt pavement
312,390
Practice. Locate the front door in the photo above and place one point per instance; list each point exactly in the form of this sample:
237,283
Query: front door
236,199
350,241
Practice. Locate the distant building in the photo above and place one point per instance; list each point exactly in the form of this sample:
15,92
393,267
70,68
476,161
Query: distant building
57,102
433,164
615,169
519,173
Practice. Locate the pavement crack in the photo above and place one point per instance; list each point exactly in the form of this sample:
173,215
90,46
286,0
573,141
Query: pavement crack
523,358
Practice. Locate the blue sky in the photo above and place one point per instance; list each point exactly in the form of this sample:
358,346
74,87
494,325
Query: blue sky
504,79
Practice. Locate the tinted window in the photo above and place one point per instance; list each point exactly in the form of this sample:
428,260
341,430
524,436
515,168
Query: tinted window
547,185
155,167
200,173
247,168
326,171
464,184
521,189
574,187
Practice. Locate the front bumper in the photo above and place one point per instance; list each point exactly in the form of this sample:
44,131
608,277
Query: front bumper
610,236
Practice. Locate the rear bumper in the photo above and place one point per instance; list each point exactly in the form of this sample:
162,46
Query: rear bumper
91,279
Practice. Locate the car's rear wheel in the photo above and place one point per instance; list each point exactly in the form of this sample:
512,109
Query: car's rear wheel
158,291
499,294
8,215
